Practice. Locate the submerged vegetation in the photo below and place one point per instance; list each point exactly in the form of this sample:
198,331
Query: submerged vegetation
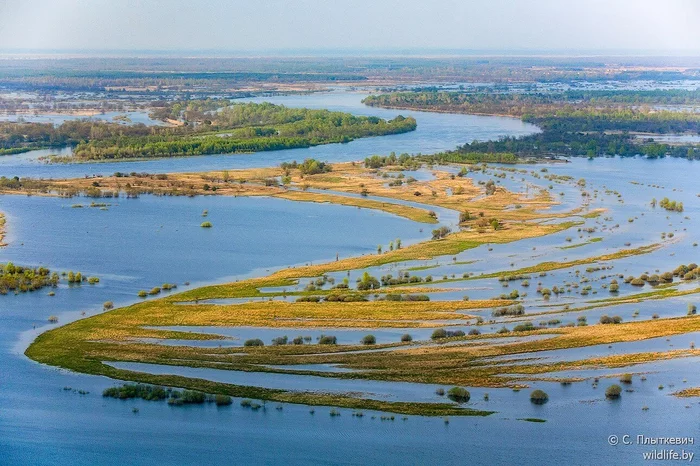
19,279
15,278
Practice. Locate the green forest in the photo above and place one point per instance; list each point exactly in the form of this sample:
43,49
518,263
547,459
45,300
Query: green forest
580,123
235,128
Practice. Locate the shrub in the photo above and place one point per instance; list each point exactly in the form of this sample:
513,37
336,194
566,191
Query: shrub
539,397
108,305
206,225
525,327
127,391
406,338
279,341
441,232
222,400
193,397
143,294
369,340
298,341
605,319
474,332
626,378
327,340
613,391
458,394
438,334
440,392
309,299
254,342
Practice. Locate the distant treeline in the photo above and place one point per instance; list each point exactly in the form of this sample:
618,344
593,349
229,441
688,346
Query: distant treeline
576,144
535,104
214,74
203,81
575,123
236,128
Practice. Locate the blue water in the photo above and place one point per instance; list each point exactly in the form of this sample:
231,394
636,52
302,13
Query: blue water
142,243
435,132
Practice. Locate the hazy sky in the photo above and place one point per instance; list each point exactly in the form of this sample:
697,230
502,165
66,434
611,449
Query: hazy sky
250,25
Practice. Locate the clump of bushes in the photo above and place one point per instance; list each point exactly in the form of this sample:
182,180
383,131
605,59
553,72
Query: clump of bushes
222,400
441,333
539,397
613,391
605,319
279,341
441,232
128,391
345,297
327,340
369,340
524,327
458,394
254,342
14,278
407,297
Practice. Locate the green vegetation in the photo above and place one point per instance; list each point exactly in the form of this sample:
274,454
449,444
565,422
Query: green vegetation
539,397
458,394
573,123
613,392
14,278
672,206
369,340
254,342
237,128
522,104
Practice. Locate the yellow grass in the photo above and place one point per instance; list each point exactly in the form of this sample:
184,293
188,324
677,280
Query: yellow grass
2,229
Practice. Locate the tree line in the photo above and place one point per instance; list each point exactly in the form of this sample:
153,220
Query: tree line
236,128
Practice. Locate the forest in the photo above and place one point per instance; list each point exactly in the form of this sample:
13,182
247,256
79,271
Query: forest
236,128
540,104
577,123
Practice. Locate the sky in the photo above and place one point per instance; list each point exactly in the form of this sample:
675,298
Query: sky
666,26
